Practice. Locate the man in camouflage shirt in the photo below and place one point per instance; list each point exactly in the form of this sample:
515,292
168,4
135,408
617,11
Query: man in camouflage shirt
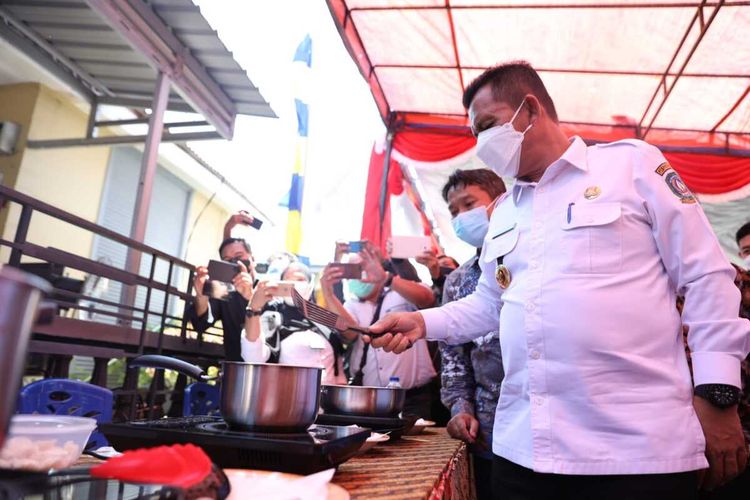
472,373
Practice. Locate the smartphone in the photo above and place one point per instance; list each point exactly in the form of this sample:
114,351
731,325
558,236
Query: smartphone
357,246
261,268
217,289
407,247
350,270
282,288
256,223
218,270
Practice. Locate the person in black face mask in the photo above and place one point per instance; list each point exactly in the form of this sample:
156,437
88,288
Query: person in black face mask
203,312
440,266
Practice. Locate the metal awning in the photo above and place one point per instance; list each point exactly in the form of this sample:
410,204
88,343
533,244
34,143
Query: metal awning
156,54
112,52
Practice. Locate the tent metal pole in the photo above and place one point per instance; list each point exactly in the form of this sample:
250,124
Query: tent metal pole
668,91
384,181
561,6
146,180
573,71
732,110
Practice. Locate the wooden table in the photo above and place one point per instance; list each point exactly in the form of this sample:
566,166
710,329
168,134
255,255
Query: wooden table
428,466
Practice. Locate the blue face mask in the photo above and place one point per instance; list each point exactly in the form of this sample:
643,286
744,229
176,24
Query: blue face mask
471,226
361,289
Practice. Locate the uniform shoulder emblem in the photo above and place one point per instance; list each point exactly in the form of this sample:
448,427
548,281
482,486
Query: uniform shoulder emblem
675,183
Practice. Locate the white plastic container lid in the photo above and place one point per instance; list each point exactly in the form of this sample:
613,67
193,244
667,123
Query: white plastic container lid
46,424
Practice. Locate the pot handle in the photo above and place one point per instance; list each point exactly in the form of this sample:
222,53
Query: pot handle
167,363
45,313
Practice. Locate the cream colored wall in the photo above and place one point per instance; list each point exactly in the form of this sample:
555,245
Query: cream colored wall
16,105
71,179
207,236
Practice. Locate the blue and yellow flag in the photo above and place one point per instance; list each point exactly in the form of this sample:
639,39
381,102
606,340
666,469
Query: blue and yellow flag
303,59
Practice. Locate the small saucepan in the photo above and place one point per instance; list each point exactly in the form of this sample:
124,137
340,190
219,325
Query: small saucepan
362,401
265,397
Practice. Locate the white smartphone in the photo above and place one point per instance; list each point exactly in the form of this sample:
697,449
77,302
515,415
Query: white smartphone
283,288
406,247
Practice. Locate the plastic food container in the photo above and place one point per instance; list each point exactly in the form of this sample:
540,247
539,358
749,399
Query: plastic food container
44,442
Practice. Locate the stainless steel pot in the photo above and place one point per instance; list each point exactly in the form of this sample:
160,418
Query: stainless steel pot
362,401
257,396
20,295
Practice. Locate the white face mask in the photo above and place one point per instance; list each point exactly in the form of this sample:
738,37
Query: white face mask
747,261
303,288
471,226
500,147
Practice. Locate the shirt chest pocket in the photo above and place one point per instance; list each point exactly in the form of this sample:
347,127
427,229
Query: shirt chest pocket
501,244
591,238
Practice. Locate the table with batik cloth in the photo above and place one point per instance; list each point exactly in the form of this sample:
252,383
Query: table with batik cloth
430,466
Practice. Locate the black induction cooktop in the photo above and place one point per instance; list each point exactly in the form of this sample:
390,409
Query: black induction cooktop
395,426
320,447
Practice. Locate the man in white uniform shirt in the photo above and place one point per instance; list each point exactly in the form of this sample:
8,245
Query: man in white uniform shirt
581,264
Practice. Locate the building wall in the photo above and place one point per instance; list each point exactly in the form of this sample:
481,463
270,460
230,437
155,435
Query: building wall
207,232
16,105
73,179
68,178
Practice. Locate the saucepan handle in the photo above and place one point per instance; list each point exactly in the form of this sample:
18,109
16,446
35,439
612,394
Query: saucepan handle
167,363
45,313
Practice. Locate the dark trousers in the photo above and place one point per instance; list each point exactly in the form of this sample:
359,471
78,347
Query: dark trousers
482,477
418,402
737,489
513,482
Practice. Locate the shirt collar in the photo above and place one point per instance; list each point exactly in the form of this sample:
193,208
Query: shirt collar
575,156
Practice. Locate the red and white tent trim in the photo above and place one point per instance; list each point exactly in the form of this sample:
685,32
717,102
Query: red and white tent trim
673,72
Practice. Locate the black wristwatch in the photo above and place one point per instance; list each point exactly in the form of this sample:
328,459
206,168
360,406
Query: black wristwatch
250,313
719,395
388,279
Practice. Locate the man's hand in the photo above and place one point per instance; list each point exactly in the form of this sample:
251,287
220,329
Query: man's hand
464,427
372,266
263,293
430,261
330,277
243,282
725,444
342,248
199,280
241,217
400,330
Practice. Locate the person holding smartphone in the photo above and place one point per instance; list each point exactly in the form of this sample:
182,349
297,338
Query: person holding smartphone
375,295
440,266
293,339
204,311
241,218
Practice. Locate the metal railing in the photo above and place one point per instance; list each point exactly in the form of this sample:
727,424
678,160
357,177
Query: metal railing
127,330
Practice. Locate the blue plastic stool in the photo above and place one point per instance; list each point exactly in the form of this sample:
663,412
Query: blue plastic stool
60,396
201,399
